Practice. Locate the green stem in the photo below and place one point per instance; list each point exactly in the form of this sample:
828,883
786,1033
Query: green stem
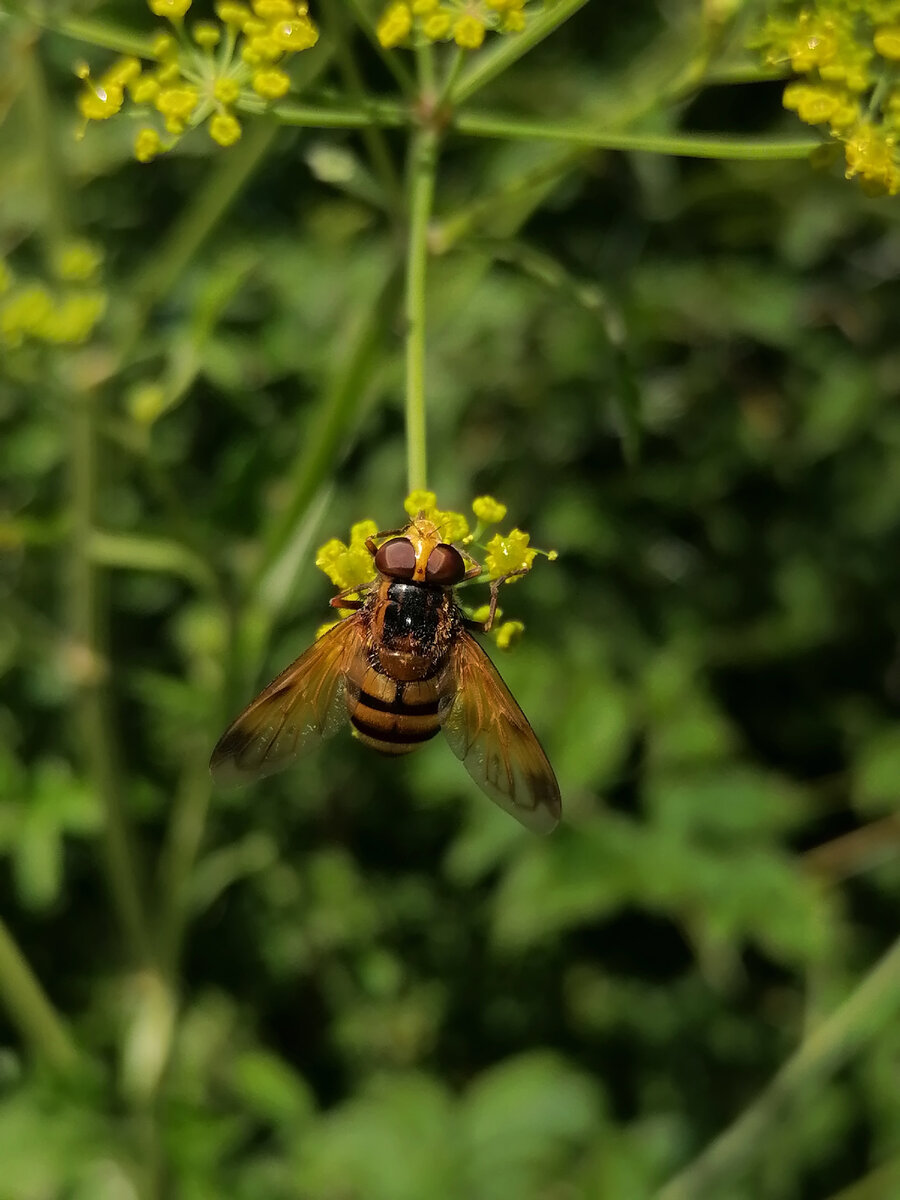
334,418
392,61
531,184
423,163
41,124
870,1008
387,113
454,69
200,217
29,1008
92,705
373,137
488,64
183,840
425,70
684,145
100,33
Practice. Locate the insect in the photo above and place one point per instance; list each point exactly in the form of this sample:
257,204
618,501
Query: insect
401,667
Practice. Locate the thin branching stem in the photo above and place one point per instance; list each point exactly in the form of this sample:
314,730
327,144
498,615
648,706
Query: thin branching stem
871,1007
30,1009
378,150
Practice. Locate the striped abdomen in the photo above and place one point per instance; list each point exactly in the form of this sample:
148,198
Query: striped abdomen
390,715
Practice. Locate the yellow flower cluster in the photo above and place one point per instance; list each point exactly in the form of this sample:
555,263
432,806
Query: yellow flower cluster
846,51
463,21
189,84
350,568
34,311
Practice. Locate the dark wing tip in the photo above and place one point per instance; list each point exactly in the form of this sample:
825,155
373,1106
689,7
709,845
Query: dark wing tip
548,802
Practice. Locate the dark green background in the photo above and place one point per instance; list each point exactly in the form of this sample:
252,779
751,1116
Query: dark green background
389,991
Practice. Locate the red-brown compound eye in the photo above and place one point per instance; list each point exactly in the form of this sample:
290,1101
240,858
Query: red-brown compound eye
396,558
445,566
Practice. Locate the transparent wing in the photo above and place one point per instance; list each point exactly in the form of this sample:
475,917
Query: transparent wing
490,733
305,703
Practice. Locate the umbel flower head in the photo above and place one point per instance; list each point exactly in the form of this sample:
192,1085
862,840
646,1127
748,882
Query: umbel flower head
350,567
846,54
201,74
61,311
462,21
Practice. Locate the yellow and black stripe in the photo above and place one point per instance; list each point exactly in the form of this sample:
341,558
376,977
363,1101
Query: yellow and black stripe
393,717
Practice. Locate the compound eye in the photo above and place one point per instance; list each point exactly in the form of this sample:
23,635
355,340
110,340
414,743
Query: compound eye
396,558
445,566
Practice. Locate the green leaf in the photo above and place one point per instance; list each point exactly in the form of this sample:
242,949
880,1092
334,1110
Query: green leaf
876,773
521,1123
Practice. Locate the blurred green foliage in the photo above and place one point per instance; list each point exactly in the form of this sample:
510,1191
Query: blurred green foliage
361,980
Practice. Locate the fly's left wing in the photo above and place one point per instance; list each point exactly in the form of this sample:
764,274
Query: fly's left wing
304,704
489,732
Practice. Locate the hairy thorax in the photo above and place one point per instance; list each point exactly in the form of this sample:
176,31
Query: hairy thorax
411,627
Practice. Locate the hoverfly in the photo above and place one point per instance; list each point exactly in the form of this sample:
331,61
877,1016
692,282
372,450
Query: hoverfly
400,667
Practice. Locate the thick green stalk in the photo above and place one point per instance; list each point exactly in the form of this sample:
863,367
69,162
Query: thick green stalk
29,1009
684,145
423,163
873,1006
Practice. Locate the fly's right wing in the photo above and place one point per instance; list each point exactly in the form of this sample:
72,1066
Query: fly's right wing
489,732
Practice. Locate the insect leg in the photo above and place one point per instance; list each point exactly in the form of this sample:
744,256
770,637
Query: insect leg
495,588
370,542
341,601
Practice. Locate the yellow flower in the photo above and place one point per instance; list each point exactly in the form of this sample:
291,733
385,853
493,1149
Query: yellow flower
394,26
869,151
173,9
145,89
177,103
100,102
507,554
274,10
419,501
147,145
164,46
146,402
887,42
271,84
349,566
323,629
436,26
482,613
453,526
77,261
122,71
299,34
72,320
233,14
226,90
225,129
468,32
206,34
509,633
488,510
